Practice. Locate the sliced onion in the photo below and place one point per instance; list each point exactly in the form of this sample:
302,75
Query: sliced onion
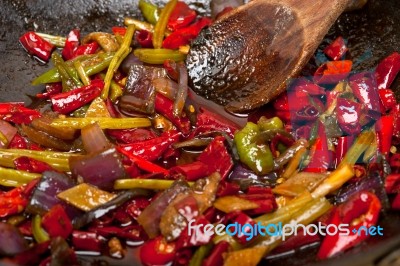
8,131
182,92
133,103
151,216
99,169
372,182
44,197
93,138
129,61
166,87
246,177
11,241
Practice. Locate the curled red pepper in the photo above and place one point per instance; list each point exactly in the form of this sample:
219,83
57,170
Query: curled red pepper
210,121
348,115
51,89
363,86
71,43
181,16
191,171
387,70
152,149
67,102
332,72
164,106
388,100
384,129
337,49
145,39
13,201
183,36
16,113
36,45
360,212
217,157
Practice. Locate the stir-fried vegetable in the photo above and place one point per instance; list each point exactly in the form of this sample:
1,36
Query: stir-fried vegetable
122,153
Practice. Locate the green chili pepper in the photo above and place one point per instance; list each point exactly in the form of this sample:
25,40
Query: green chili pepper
150,12
38,232
256,156
272,123
92,64
81,72
120,55
15,178
68,82
159,29
158,56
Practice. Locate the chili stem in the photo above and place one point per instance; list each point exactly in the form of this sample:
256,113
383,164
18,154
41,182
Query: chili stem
161,25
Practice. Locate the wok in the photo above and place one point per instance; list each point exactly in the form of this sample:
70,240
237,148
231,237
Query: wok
372,33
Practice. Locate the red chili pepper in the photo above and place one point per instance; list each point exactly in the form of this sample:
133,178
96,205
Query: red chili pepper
321,157
51,89
388,100
191,171
56,222
18,142
67,102
265,200
363,86
217,157
360,212
118,30
226,188
396,203
195,237
111,109
337,49
152,149
216,256
71,43
384,128
392,183
394,163
16,113
145,38
89,241
32,256
142,163
277,139
210,121
157,251
387,70
31,165
171,68
36,45
348,115
282,102
239,219
183,36
343,145
127,136
181,16
164,106
89,48
12,202
332,72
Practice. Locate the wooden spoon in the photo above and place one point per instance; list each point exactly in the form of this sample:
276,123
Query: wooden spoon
246,58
